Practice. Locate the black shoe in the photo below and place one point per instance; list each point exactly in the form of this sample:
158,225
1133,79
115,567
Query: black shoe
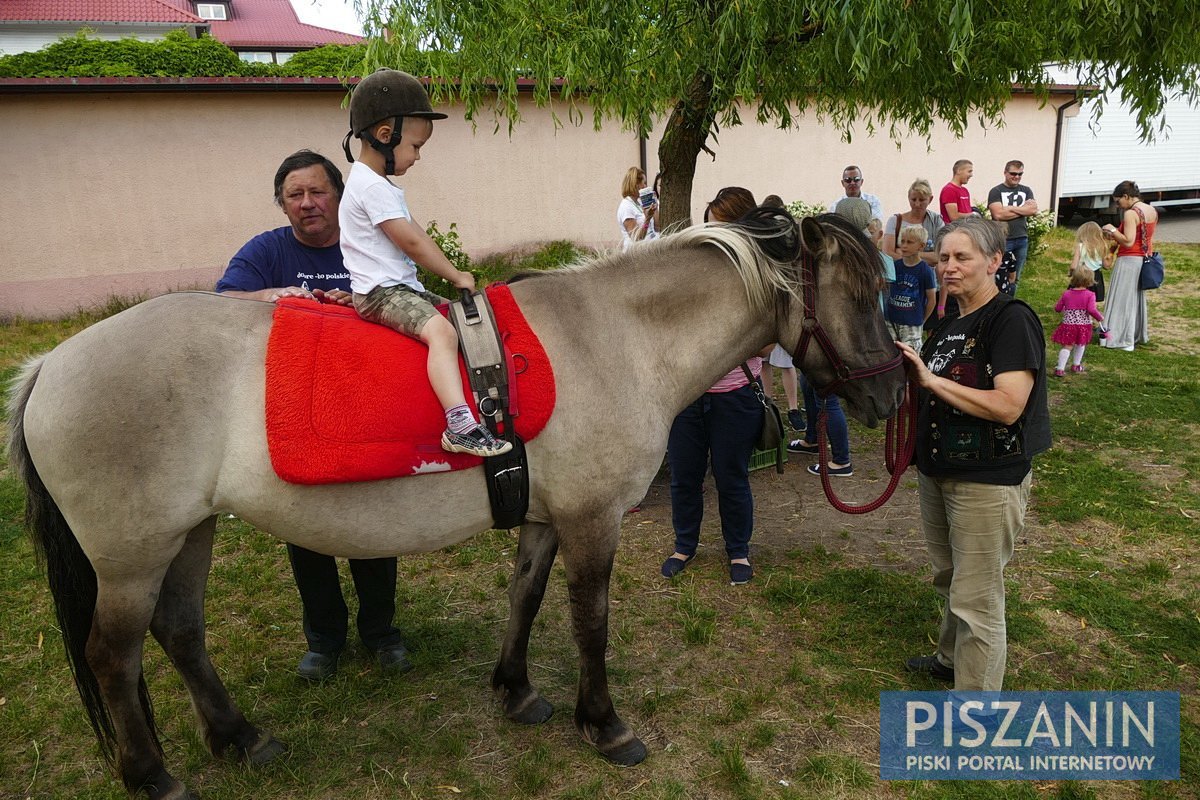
393,660
801,446
796,420
673,566
931,666
317,666
740,574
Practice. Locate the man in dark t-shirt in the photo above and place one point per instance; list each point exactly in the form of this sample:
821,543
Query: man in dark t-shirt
1012,202
304,259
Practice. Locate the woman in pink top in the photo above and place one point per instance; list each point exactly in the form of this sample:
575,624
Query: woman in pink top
1125,306
722,425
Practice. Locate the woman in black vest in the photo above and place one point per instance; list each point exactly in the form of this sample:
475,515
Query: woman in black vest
983,417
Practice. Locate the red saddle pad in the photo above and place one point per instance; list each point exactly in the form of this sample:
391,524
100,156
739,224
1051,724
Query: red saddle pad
349,400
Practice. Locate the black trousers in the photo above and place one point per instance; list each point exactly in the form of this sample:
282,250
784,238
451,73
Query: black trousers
325,612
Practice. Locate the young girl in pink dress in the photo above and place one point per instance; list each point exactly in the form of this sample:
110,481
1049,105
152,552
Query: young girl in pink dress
1078,307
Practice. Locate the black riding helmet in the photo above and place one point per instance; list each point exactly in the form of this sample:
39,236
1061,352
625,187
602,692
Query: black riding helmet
384,94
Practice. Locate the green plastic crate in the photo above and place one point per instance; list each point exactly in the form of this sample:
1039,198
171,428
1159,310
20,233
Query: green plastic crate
761,459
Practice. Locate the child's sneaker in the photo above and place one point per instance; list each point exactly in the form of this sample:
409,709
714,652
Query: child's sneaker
1077,368
1103,332
477,442
1058,373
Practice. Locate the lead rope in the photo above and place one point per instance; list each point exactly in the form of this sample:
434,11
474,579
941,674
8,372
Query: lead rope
897,452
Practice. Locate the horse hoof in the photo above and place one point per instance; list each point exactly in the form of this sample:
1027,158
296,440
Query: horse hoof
264,750
534,711
626,754
623,749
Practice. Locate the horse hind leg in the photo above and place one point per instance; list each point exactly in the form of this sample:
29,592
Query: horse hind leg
588,554
535,556
178,625
124,607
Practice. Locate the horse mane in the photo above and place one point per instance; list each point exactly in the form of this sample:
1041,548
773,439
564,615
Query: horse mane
857,257
762,247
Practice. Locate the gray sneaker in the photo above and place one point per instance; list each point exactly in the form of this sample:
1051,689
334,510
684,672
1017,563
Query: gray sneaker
477,442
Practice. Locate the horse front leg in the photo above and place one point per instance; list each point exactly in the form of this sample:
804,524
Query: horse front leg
588,552
535,556
114,654
178,625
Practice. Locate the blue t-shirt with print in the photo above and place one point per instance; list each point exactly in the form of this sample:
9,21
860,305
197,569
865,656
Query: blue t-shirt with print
276,259
906,301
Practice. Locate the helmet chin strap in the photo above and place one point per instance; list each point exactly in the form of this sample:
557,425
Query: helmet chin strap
387,149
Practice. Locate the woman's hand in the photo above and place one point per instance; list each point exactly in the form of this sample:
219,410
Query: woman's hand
915,367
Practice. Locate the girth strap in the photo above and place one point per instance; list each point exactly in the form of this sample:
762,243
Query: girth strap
490,372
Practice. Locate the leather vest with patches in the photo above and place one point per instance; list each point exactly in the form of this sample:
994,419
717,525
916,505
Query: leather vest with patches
960,441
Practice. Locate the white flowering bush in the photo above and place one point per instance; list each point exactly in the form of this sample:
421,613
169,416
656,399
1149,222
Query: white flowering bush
800,209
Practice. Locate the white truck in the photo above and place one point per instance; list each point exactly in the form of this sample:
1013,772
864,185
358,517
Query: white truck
1097,154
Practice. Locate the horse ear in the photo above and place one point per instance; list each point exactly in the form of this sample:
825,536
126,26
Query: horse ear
811,234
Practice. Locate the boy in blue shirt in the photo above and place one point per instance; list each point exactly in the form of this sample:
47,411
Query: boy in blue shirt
382,245
912,296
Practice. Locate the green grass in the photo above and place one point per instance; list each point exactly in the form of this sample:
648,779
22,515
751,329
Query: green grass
763,691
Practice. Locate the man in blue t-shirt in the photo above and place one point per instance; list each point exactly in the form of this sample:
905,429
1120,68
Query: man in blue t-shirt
304,259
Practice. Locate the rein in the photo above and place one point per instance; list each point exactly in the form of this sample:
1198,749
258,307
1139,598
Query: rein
901,429
897,453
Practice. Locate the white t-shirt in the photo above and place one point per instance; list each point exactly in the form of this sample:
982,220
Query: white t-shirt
631,209
369,255
876,206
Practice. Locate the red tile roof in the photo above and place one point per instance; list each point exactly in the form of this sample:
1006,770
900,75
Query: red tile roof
267,24
271,23
97,11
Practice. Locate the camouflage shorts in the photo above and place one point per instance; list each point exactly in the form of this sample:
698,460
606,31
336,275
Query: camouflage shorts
399,307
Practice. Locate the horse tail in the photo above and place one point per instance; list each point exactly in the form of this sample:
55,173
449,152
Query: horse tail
68,571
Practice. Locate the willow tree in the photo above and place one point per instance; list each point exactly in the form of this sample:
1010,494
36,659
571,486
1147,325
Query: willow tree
876,65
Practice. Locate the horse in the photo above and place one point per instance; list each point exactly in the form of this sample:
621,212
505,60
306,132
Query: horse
132,436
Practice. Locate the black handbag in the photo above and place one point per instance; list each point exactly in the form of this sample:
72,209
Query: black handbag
771,436
1153,268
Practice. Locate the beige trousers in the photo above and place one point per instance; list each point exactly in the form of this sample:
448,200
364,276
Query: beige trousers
970,529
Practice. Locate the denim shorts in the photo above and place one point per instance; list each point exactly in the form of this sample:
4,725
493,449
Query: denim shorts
399,307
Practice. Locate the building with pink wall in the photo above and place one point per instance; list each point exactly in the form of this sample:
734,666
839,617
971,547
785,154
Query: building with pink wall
125,186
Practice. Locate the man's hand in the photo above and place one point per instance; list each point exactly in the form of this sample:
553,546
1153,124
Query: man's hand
333,297
288,291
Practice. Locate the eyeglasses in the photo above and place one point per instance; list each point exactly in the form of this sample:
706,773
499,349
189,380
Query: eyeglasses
851,180
1016,174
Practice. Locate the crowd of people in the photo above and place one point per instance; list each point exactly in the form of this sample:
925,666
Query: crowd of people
948,281
977,355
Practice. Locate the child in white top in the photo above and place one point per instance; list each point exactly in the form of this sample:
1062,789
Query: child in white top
382,244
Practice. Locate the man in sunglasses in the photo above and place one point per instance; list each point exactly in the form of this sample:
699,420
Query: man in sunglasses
852,180
1012,202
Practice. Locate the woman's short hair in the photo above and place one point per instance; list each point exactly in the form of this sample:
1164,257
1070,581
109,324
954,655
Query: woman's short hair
303,159
913,233
729,204
983,233
629,186
921,187
1127,189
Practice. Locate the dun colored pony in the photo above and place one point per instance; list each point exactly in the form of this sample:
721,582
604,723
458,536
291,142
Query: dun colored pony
134,435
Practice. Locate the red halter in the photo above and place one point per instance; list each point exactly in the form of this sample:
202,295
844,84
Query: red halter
897,451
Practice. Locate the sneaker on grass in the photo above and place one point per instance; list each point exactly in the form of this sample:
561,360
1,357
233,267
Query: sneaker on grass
478,442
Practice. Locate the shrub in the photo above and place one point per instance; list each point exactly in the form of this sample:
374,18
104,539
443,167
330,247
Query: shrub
551,255
800,209
330,61
177,55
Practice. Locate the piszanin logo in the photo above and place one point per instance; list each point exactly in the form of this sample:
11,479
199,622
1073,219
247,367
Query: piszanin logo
1029,735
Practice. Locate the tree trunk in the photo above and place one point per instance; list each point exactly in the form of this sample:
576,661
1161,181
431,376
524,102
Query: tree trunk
686,132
